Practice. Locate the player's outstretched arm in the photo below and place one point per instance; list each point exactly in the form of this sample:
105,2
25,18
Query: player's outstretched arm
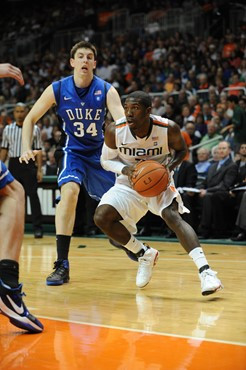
114,104
8,70
42,105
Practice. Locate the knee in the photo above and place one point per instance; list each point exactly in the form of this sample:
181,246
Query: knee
70,193
171,217
103,217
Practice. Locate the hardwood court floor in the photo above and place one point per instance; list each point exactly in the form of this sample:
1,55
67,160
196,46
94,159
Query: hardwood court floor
100,320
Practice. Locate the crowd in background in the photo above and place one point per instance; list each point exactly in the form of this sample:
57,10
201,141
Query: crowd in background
188,74
191,79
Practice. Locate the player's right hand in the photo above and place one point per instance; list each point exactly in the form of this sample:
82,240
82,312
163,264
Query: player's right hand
129,172
29,154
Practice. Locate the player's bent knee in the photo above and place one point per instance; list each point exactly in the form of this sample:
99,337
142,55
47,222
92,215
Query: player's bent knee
103,217
171,217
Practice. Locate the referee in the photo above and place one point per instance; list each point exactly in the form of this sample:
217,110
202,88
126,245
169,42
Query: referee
27,174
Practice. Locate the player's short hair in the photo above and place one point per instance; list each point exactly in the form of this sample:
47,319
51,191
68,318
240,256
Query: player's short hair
142,97
83,44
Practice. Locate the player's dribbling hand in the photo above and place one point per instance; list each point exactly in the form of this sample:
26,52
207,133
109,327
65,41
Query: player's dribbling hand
129,172
26,156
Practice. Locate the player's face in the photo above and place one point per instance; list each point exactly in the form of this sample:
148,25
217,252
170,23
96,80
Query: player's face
136,114
83,61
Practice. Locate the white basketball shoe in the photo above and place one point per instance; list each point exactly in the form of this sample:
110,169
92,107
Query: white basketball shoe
146,264
209,282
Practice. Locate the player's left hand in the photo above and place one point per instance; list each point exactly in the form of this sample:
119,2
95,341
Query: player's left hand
8,70
26,156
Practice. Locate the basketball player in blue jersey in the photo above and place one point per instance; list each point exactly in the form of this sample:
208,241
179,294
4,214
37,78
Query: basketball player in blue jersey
141,136
81,100
12,211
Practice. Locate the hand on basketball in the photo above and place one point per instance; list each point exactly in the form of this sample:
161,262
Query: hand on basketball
29,154
150,178
129,171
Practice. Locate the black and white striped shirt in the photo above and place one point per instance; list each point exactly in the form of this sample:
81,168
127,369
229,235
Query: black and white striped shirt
12,139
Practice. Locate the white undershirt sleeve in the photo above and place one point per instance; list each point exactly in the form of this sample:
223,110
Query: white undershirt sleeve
110,160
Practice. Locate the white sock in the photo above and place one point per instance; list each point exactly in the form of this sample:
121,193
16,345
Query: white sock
135,245
198,257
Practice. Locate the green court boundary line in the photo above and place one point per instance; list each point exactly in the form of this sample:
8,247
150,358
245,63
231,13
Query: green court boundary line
175,240
49,229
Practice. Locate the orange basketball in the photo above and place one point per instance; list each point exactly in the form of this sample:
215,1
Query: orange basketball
150,178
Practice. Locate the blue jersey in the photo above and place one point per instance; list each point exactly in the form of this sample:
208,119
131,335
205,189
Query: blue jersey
5,176
82,117
83,112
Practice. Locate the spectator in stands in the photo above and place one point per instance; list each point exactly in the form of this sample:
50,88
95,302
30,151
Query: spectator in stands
234,83
169,83
51,167
202,81
241,220
157,107
242,102
215,154
169,112
221,113
185,175
201,125
213,98
238,190
182,98
207,112
189,87
47,127
202,165
238,120
212,134
186,114
194,105
195,137
215,197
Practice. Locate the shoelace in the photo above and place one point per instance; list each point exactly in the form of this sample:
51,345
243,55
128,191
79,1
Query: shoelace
59,269
144,260
209,272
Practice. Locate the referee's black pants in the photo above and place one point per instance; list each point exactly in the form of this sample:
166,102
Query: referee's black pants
26,174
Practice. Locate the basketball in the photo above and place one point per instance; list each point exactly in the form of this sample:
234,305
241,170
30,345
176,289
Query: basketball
150,178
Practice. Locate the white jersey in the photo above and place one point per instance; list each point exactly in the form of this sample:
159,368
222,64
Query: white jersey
132,148
129,204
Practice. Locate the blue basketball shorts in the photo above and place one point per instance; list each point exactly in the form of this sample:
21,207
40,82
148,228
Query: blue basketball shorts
86,169
5,176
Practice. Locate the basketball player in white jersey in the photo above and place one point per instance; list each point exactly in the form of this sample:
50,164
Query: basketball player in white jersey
141,136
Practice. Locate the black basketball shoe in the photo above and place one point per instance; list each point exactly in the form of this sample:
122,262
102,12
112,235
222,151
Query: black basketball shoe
60,275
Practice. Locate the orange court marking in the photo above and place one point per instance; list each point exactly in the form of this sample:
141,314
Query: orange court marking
72,346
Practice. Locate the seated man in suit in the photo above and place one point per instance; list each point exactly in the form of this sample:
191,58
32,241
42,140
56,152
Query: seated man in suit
202,165
214,194
185,175
239,195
